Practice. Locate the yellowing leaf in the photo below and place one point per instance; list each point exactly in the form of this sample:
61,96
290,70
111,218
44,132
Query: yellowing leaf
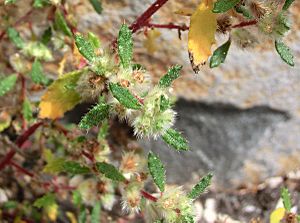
71,217
60,96
202,31
150,43
52,211
277,215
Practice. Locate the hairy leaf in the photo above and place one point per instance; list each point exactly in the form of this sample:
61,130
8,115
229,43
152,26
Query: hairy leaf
125,46
75,168
287,4
15,37
201,36
224,5
61,24
85,47
124,96
286,199
45,201
110,171
157,171
95,116
175,139
284,52
97,5
58,98
164,103
219,55
37,75
95,216
94,40
200,187
173,73
27,110
7,83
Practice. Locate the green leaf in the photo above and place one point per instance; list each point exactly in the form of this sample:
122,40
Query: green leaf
125,45
46,37
200,187
40,3
15,37
97,5
85,47
95,216
167,79
286,198
110,171
37,50
61,24
224,5
82,215
284,52
54,164
10,205
164,103
37,75
7,83
187,218
175,139
219,54
95,116
27,110
244,11
77,198
75,168
94,40
157,171
45,201
103,130
287,4
124,96
6,2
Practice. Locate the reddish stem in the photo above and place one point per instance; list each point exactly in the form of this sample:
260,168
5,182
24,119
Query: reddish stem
167,26
20,141
21,169
148,196
245,23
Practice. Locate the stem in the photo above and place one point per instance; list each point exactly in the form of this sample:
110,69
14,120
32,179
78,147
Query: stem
21,169
20,141
148,196
142,20
167,26
245,23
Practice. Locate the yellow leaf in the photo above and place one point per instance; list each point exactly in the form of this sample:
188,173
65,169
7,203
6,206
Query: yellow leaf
277,215
51,211
150,43
60,96
61,66
201,36
71,217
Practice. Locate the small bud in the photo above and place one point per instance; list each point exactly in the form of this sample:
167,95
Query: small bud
131,197
132,163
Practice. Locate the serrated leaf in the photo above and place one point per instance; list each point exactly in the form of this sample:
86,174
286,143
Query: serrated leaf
176,140
95,116
15,37
201,37
277,215
45,201
7,83
94,40
286,199
219,54
109,171
58,99
97,5
95,216
27,110
157,171
40,3
124,96
75,168
85,47
46,37
200,187
125,45
61,24
222,6
167,79
37,50
284,52
37,75
287,4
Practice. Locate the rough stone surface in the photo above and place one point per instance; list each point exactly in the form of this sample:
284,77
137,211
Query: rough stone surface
246,138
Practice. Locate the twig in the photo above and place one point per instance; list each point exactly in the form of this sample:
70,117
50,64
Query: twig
167,26
21,169
148,196
245,23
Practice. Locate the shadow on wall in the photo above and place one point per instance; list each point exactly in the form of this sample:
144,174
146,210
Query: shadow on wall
222,137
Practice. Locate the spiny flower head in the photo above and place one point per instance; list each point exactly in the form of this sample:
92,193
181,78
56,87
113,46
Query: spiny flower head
131,196
104,64
132,163
87,189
